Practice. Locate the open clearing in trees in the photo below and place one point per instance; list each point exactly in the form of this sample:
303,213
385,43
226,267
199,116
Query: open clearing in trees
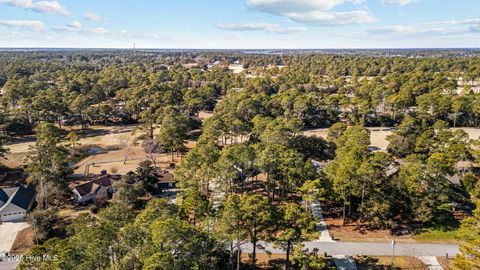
378,135
106,139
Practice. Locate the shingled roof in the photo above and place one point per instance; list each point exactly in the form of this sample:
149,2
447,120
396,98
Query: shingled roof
3,197
20,196
165,177
91,186
23,197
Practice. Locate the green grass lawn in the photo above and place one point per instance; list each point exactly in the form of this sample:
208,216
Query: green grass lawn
433,235
443,228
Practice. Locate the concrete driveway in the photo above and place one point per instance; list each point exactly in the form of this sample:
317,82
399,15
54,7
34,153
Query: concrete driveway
8,233
9,265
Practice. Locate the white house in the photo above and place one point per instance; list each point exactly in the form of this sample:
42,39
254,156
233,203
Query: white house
15,203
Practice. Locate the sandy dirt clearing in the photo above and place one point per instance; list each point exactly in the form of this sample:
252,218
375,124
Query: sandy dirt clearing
24,241
112,161
101,136
378,136
203,115
236,68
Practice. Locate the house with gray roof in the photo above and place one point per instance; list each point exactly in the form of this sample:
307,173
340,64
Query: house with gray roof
15,202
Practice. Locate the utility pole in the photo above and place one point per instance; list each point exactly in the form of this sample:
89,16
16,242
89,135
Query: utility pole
393,252
134,49
35,230
392,244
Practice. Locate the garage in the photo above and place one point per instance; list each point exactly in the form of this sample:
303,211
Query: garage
15,216
15,203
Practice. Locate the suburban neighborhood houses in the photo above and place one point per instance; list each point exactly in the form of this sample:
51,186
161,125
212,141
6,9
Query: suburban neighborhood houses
256,174
100,188
239,135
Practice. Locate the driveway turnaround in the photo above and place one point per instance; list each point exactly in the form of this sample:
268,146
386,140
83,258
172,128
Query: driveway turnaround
369,249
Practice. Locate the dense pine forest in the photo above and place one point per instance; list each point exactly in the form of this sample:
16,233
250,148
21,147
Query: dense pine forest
319,90
234,128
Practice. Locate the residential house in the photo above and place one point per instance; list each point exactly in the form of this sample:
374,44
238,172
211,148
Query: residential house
98,189
166,180
15,202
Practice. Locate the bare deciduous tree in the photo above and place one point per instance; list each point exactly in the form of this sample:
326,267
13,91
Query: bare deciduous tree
152,147
124,142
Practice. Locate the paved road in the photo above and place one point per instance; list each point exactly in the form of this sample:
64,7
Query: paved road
370,249
8,265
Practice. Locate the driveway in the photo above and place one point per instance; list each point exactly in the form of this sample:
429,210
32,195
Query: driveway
9,265
344,263
431,262
8,233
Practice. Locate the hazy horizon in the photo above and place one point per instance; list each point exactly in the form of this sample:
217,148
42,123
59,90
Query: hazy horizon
239,48
240,24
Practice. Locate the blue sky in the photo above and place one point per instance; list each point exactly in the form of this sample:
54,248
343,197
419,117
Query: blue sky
240,23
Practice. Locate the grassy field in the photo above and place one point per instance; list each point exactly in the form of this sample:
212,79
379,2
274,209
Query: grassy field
273,262
71,212
107,143
442,229
116,165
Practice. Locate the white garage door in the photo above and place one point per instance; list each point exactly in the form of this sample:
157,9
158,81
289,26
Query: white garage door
13,217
